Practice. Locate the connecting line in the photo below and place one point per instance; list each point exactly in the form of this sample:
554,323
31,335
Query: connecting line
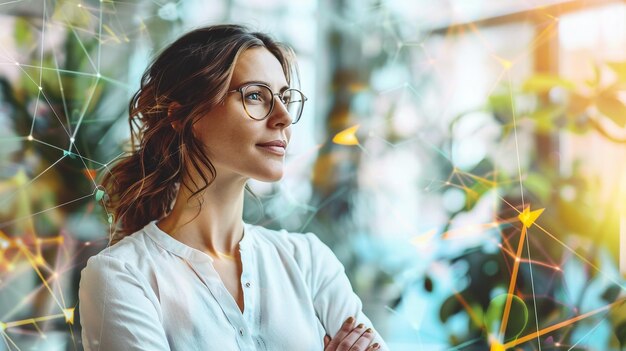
587,334
43,34
10,2
99,38
519,166
32,125
63,150
27,254
509,297
7,339
8,197
61,70
7,223
532,285
62,90
80,43
560,325
86,106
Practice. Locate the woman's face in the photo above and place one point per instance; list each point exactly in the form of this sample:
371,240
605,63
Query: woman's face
232,138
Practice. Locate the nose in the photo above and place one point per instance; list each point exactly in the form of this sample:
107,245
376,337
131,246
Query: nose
280,116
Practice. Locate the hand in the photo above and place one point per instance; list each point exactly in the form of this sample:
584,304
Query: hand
351,338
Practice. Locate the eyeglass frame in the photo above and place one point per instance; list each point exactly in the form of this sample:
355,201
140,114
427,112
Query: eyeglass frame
280,97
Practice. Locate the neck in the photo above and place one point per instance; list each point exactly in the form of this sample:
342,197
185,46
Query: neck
214,227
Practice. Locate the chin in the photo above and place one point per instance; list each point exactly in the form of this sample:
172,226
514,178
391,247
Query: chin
269,177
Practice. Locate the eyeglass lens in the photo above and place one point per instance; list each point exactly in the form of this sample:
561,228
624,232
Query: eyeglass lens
258,101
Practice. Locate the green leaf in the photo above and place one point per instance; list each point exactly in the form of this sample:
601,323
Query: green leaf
542,83
474,193
544,118
612,107
539,185
517,318
500,102
23,35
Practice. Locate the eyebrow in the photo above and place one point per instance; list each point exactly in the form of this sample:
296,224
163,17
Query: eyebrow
284,87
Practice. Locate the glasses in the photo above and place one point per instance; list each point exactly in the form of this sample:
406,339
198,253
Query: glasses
258,101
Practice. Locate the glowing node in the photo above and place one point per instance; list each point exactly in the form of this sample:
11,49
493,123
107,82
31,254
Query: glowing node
99,194
98,75
72,139
3,326
69,315
4,244
557,344
528,217
40,88
40,261
80,5
557,268
30,137
87,243
17,63
347,136
517,259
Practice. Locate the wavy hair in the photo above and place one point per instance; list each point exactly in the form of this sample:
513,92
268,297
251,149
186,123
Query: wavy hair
193,74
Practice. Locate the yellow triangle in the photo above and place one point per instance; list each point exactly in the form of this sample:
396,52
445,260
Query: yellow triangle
528,218
69,315
347,136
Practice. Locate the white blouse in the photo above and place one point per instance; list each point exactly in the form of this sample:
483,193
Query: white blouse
152,292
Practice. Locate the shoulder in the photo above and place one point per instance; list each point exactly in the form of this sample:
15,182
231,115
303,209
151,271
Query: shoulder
306,248
126,256
283,239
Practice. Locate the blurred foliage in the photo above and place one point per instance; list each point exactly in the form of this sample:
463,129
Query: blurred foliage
576,214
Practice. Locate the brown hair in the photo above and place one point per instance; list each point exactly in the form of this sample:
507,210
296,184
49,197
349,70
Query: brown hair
194,72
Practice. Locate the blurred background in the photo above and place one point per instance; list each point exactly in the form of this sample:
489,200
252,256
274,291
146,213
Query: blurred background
464,159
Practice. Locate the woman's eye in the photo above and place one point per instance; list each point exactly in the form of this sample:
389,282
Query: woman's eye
256,96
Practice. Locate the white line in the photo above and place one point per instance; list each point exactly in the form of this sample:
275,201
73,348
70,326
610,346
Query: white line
5,224
532,285
519,167
8,197
586,335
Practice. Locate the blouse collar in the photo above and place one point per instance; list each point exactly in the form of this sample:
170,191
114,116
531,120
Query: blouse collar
176,247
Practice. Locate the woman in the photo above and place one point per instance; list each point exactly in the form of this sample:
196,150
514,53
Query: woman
214,109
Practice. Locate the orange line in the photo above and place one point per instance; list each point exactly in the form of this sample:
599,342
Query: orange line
558,325
509,297
469,310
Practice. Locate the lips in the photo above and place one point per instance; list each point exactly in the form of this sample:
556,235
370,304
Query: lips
279,143
276,147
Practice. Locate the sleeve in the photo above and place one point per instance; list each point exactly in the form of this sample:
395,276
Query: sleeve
115,311
333,297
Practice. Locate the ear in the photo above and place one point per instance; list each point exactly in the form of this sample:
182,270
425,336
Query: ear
170,110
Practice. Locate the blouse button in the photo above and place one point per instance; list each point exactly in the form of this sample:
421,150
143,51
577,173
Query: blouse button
248,284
